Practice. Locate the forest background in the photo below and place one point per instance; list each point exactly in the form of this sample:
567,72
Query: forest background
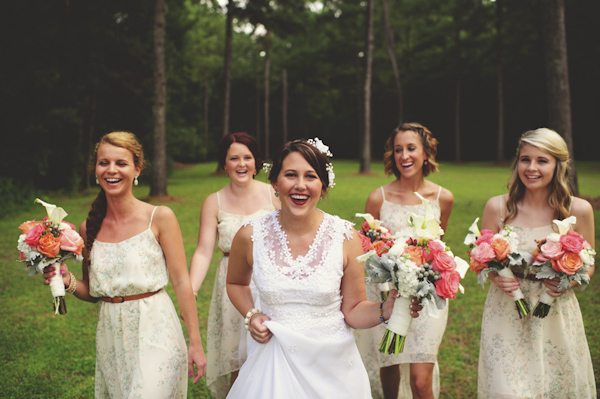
74,70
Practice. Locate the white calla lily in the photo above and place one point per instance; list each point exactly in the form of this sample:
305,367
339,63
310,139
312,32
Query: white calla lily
56,214
564,225
366,256
473,235
373,223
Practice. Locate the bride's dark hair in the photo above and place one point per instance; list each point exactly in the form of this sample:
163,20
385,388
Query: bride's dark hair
96,215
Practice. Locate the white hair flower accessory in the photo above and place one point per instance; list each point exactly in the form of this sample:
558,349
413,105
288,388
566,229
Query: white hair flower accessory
318,143
267,167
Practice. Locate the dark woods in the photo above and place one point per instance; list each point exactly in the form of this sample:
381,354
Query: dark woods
73,70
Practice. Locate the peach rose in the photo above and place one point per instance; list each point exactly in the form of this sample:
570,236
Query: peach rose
442,261
447,286
476,266
486,236
571,242
33,236
26,226
483,253
71,241
552,250
569,263
501,248
416,254
49,245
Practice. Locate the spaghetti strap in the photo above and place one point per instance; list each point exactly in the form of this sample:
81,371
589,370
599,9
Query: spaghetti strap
218,201
570,206
269,194
382,192
439,193
502,206
152,216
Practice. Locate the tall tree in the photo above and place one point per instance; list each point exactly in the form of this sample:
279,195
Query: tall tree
391,50
499,61
158,187
267,88
458,85
227,66
557,77
365,159
284,101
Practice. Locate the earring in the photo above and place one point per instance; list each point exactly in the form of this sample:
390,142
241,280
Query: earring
97,182
426,162
276,194
226,174
135,181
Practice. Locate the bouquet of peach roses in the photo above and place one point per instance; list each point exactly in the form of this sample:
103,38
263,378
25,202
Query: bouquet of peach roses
564,255
50,241
497,252
419,265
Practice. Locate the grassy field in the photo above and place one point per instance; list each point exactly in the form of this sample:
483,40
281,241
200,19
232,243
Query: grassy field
43,356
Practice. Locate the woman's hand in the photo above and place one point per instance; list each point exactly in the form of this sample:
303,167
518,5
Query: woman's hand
552,286
388,305
196,356
507,285
257,330
50,271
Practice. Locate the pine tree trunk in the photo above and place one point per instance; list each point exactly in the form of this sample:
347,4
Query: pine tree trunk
391,50
457,155
205,133
267,78
365,164
227,66
499,49
284,104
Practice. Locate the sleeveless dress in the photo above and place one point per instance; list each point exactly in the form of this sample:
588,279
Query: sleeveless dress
140,348
312,353
225,323
425,334
533,357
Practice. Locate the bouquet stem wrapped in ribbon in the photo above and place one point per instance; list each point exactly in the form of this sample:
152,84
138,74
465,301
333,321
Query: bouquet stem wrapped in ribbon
497,252
564,255
47,242
417,265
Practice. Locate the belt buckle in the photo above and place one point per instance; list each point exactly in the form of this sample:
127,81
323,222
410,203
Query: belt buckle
115,299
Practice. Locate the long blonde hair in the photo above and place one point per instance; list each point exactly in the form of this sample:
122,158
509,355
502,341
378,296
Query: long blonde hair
560,193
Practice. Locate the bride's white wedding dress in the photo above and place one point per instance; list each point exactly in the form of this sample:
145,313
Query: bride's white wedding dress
312,353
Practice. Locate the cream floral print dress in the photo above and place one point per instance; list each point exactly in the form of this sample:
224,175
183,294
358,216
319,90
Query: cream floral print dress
224,321
533,357
140,348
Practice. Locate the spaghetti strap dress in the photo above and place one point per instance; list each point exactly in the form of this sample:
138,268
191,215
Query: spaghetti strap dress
533,357
140,348
225,324
425,334
312,353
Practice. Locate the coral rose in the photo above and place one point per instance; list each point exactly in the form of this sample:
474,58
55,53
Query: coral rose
569,263
501,247
49,245
447,286
442,261
416,254
476,266
483,253
572,243
26,226
380,247
365,242
552,250
33,236
486,236
71,241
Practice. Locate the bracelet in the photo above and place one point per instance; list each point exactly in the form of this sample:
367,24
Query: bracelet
196,295
72,285
381,313
249,315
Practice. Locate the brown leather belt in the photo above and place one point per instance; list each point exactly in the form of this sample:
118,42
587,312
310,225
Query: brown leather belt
119,299
531,277
225,253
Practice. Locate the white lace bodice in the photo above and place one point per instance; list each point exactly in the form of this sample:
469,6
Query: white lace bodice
302,293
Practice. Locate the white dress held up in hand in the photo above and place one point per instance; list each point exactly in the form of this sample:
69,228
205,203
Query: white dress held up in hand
312,353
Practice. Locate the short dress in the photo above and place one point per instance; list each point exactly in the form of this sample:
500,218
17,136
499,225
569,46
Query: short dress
425,334
140,348
533,357
225,323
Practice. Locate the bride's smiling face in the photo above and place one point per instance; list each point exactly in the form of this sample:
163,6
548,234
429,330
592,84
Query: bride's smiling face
298,185
115,169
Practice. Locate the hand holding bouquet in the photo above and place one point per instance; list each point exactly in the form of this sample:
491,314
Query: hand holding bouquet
564,255
50,241
497,252
419,266
374,237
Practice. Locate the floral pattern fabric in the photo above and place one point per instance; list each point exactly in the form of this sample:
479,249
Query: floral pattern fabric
533,357
140,348
224,329
425,334
312,353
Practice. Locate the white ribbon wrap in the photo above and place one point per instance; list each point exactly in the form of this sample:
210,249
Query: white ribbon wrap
400,319
506,272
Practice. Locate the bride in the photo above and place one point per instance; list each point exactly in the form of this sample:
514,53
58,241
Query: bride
310,285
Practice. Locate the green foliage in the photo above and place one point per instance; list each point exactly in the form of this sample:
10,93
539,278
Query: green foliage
43,356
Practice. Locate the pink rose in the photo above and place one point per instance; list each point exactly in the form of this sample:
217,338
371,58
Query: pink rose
365,241
486,236
434,247
552,250
71,241
71,225
483,253
416,254
571,242
26,226
569,263
442,261
501,248
34,234
447,286
49,245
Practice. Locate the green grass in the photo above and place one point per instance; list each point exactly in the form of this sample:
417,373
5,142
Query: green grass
42,356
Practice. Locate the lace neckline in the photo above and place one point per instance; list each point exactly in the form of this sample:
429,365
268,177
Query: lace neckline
127,239
285,244
268,207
